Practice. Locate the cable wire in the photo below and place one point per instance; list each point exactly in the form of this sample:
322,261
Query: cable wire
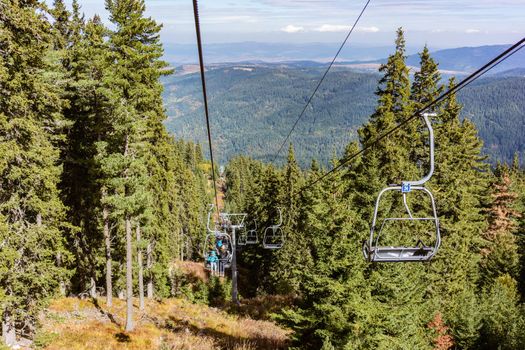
321,81
205,97
465,82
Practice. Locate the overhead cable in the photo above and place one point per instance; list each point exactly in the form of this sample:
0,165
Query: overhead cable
320,81
205,97
462,84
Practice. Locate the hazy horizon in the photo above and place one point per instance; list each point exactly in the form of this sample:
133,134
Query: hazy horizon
440,24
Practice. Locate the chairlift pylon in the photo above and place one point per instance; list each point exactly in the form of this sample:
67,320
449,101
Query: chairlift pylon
273,235
373,251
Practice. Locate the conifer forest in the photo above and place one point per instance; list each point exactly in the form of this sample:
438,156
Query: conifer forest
106,226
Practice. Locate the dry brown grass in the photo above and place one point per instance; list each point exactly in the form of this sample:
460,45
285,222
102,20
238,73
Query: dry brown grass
168,325
262,307
193,269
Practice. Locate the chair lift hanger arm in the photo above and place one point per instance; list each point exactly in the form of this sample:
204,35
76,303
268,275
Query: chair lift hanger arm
427,177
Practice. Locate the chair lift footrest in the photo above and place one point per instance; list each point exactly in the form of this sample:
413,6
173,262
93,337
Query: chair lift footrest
273,246
395,254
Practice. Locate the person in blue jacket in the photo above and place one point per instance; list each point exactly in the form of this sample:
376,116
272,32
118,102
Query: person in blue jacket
221,248
213,260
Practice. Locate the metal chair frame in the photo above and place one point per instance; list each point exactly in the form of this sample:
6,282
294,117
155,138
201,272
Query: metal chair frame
242,240
274,233
251,236
373,252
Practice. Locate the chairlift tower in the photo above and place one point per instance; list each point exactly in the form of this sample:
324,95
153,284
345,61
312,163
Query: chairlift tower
232,222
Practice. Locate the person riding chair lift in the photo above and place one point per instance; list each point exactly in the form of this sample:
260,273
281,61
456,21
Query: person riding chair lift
374,252
213,261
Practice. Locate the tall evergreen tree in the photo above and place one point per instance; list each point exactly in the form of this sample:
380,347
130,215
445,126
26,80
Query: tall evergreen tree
500,256
30,208
136,51
293,257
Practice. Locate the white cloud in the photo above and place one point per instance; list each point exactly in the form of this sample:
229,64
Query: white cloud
325,28
472,31
290,28
332,28
368,29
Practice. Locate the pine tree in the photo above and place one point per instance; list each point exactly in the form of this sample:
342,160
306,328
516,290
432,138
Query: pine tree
292,258
459,184
89,106
136,49
394,106
332,285
500,256
31,211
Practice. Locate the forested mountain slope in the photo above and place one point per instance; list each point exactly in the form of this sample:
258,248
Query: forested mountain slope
253,106
98,201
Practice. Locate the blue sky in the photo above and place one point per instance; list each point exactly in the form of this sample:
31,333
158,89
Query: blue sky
439,23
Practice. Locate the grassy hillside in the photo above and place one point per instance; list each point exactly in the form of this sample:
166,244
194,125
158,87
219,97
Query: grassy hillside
85,324
76,324
254,106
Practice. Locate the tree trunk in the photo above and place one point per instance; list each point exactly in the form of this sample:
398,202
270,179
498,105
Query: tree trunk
181,244
109,263
129,278
141,270
61,284
149,264
8,329
92,287
171,275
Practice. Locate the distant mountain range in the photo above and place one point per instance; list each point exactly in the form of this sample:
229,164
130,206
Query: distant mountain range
272,52
457,60
254,104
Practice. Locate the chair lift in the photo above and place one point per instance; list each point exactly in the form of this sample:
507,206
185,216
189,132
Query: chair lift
251,236
373,251
273,235
242,240
210,243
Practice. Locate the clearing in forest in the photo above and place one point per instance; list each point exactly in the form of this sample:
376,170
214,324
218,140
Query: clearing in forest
75,324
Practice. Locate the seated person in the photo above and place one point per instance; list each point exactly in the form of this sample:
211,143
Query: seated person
213,260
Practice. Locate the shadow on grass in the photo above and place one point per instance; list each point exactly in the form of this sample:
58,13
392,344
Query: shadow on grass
224,340
104,312
122,337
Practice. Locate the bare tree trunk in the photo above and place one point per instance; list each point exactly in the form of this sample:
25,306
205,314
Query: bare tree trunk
109,262
172,281
129,278
149,264
92,287
8,329
61,284
181,244
141,270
